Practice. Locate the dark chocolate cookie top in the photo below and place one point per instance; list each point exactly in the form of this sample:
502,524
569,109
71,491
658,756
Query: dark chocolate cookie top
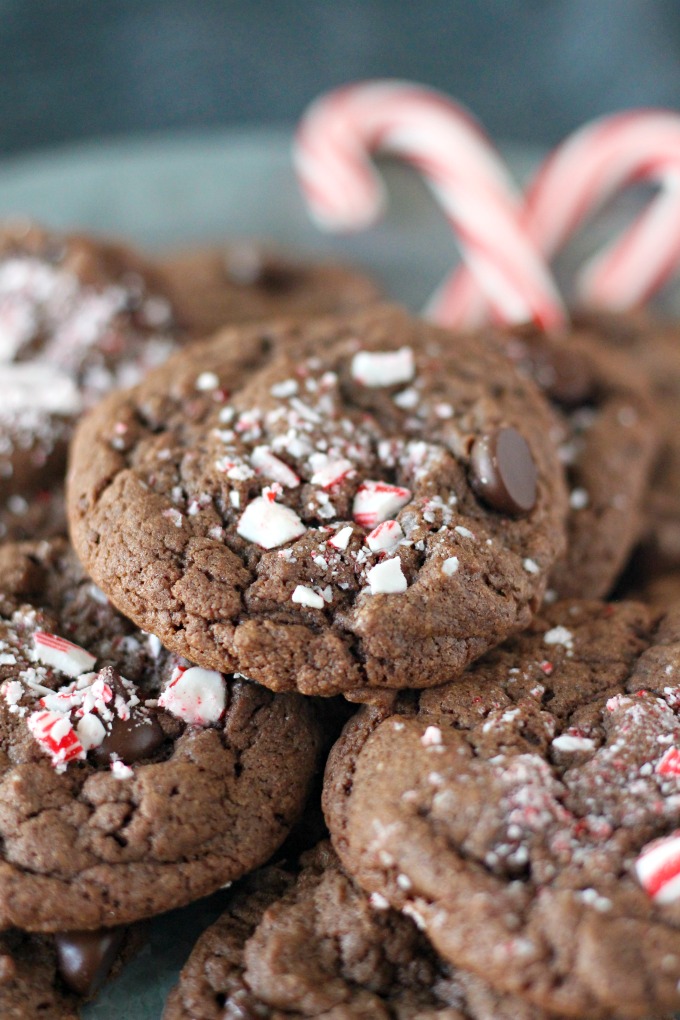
78,318
348,503
609,435
315,945
528,816
130,781
247,281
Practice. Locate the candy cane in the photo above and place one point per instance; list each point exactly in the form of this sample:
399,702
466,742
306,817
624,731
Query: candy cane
334,141
585,171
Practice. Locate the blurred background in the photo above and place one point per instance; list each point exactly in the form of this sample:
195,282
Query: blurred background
530,69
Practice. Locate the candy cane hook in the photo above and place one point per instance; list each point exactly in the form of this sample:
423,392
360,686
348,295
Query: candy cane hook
585,171
341,130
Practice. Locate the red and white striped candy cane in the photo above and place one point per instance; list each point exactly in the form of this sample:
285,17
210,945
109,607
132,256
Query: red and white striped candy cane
585,171
334,142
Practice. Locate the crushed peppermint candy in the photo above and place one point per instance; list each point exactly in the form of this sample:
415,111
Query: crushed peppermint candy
383,368
432,737
307,597
569,743
55,735
386,537
207,381
196,695
119,770
329,471
559,636
375,502
341,538
62,654
658,869
387,578
267,464
269,524
669,764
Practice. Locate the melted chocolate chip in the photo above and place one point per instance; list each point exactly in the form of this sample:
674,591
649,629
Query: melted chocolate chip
84,958
130,739
503,472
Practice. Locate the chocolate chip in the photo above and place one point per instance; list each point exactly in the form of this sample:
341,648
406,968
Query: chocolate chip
84,958
130,739
503,472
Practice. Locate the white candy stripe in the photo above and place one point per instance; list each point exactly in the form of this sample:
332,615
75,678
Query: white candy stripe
589,168
658,868
340,131
62,654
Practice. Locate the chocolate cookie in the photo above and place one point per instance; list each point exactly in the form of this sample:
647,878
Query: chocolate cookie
77,318
655,347
348,503
528,816
246,282
130,781
315,945
609,433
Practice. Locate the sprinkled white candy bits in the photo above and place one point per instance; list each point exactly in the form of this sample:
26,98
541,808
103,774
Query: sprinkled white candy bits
207,381
559,636
658,869
388,368
385,537
387,578
196,695
450,566
375,502
62,654
569,743
269,523
307,597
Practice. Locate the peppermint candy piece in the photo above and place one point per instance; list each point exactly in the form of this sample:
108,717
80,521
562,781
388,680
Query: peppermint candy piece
387,578
327,471
376,502
669,764
385,537
91,731
658,868
196,695
56,737
269,524
307,597
341,539
383,368
62,654
267,464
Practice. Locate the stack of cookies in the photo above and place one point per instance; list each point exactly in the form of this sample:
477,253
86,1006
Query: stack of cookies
323,551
